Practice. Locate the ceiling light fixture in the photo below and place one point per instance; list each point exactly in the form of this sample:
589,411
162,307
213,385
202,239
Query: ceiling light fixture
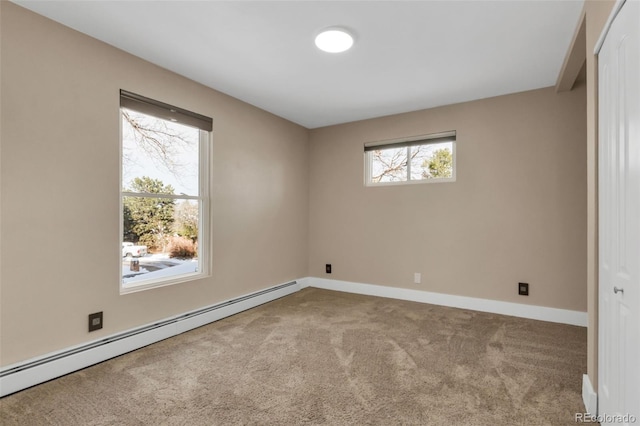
334,40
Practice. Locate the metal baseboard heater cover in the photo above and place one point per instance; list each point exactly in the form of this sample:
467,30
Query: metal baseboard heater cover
35,371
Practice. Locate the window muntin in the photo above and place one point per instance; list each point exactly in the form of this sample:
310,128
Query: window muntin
415,160
164,195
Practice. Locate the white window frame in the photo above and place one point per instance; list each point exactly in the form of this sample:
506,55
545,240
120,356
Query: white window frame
410,142
204,219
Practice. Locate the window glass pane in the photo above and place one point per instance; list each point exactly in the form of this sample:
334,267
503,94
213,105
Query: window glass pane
432,161
161,150
160,238
388,165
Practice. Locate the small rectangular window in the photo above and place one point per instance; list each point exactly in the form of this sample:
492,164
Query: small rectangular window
421,159
164,193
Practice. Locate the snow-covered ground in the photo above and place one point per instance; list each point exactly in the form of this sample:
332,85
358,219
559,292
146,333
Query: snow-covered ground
154,266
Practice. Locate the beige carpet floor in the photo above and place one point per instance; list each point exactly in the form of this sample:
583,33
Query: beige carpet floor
328,358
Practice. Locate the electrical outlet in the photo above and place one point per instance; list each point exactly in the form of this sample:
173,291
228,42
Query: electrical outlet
327,268
523,289
95,321
417,278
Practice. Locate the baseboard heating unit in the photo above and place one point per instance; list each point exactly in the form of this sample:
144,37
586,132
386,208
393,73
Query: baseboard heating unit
20,376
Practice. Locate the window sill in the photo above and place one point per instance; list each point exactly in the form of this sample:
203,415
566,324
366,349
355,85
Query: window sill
411,182
151,284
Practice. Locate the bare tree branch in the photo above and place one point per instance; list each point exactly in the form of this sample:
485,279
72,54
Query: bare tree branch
160,143
391,167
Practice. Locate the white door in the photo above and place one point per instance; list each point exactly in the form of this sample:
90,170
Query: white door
619,220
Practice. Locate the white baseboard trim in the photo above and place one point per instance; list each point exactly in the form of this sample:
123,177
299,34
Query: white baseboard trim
542,313
16,377
589,397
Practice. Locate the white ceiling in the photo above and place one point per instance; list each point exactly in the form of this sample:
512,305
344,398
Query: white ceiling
408,55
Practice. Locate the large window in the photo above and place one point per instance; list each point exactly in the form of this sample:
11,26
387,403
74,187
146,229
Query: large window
164,193
421,159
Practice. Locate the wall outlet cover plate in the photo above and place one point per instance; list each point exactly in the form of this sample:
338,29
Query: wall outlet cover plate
95,321
523,289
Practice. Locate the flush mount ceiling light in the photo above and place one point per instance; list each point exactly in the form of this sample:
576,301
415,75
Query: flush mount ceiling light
334,40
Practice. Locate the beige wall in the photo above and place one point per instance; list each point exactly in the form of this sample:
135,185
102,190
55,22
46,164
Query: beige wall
597,12
517,211
60,180
285,200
